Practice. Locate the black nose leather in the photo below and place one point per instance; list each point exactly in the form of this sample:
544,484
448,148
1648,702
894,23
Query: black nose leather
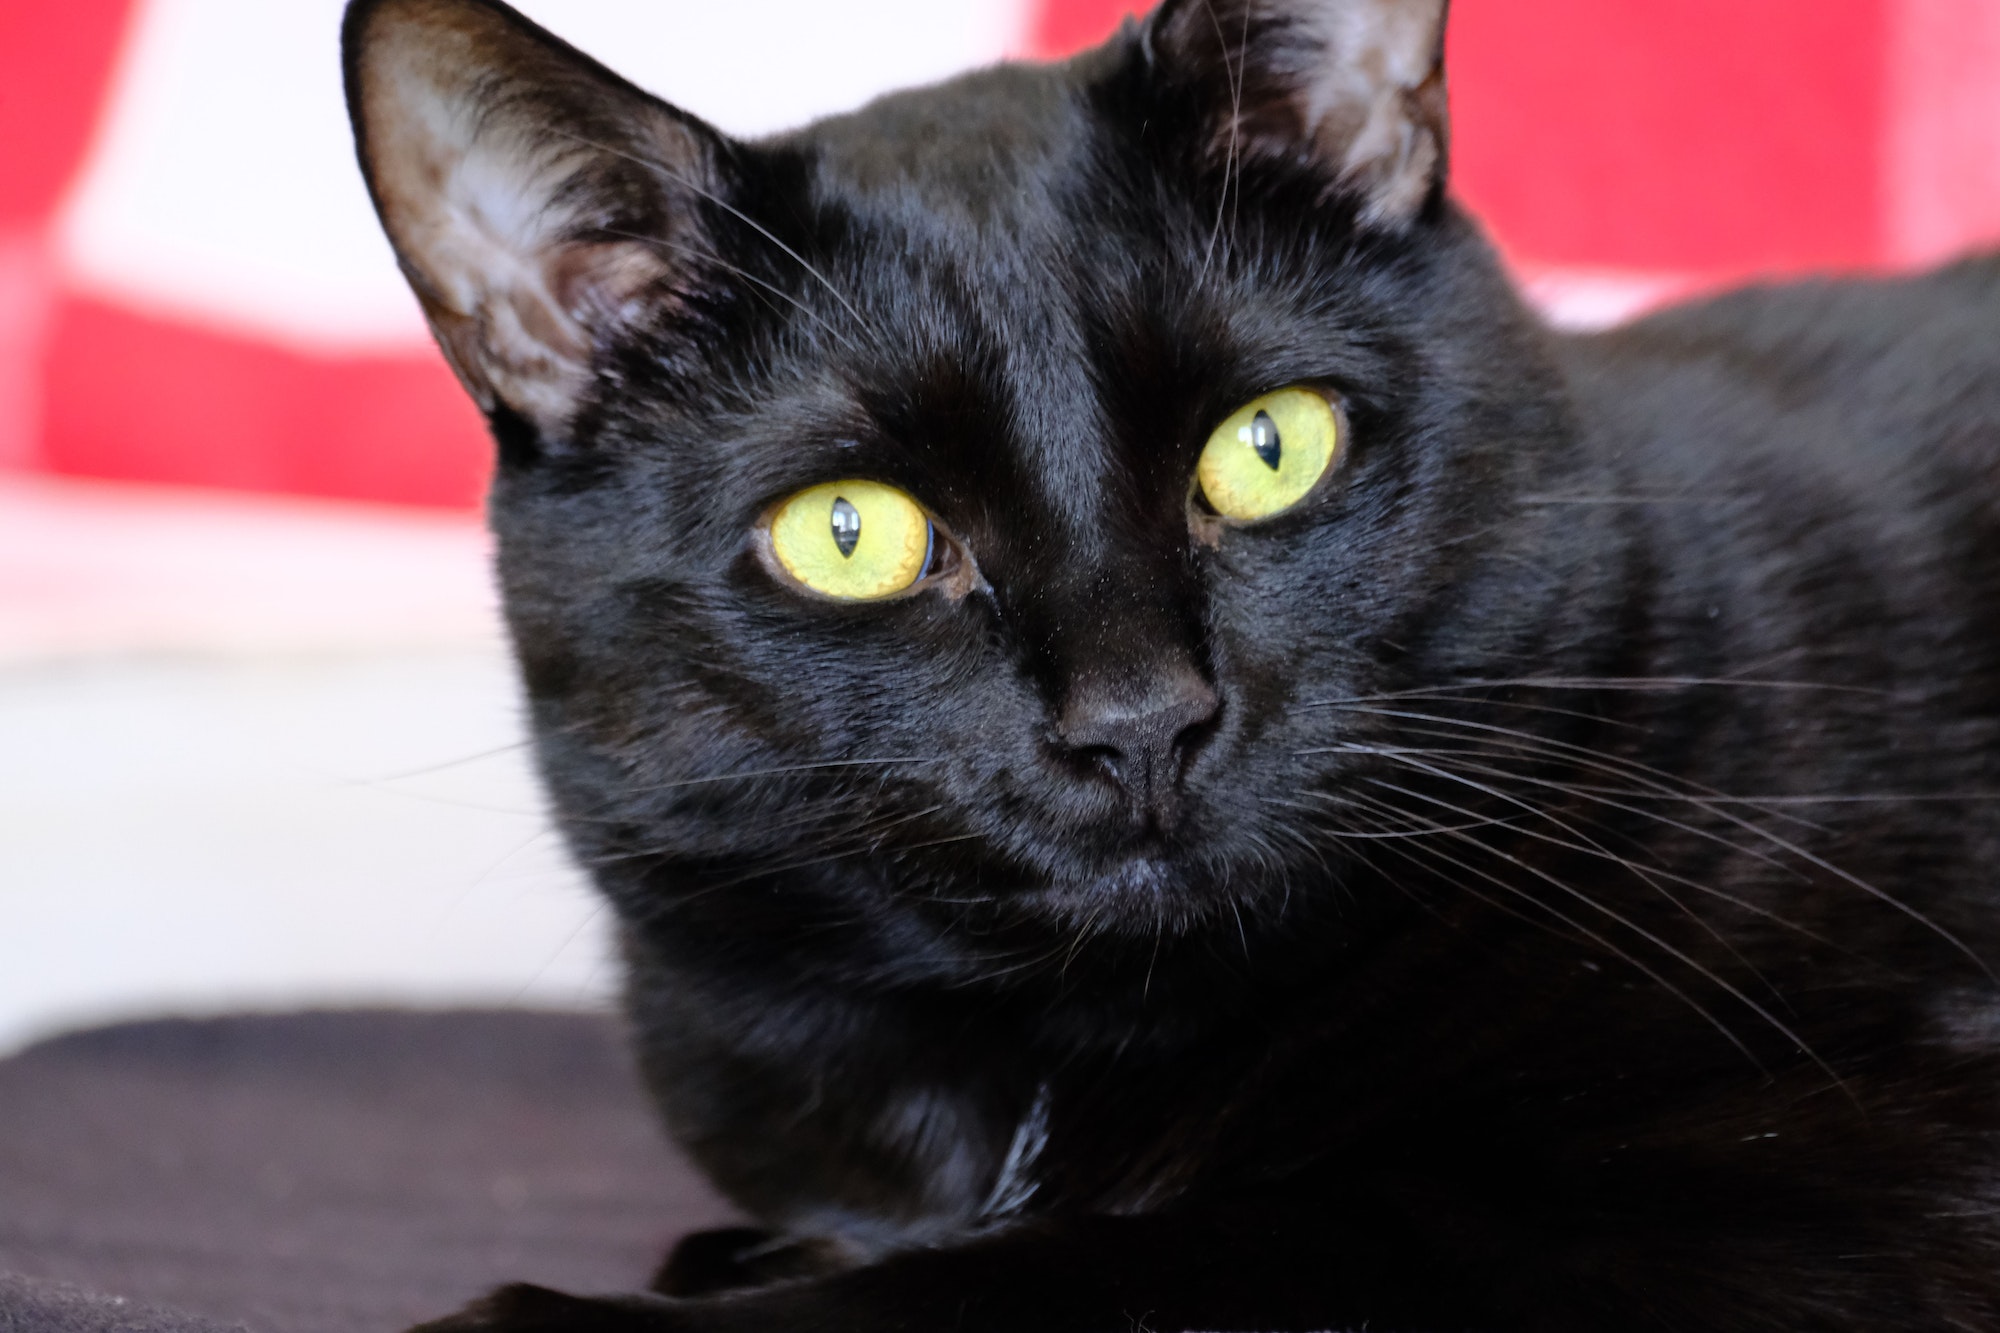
1141,734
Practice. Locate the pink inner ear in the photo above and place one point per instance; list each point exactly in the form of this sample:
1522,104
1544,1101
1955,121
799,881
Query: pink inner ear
599,282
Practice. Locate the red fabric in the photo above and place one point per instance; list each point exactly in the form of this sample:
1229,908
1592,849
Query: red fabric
1705,135
55,57
1061,27
155,400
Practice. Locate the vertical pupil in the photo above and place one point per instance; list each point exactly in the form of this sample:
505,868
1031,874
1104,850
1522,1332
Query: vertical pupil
1262,435
846,525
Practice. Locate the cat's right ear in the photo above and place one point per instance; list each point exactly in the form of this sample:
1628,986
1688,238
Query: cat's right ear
540,206
1351,89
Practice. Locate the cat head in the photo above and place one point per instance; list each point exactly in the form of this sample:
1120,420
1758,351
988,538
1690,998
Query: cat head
977,500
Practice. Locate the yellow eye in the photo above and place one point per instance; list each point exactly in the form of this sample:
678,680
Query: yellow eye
1269,454
856,540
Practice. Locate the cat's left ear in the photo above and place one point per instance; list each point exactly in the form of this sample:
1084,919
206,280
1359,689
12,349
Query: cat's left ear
1352,88
542,207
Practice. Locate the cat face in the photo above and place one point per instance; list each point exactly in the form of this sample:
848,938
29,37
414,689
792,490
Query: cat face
1049,326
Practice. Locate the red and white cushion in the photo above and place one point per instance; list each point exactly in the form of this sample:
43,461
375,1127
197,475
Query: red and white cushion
192,287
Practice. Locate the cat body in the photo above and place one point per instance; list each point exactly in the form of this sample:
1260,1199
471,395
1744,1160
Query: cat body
1540,876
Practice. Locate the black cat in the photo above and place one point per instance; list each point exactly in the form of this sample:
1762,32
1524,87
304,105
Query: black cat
1168,758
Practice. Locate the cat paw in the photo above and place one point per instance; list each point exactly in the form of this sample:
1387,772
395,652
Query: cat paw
738,1258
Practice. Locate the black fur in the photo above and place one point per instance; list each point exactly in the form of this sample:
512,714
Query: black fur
1577,915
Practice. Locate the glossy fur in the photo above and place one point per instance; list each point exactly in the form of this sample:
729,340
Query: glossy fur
1546,881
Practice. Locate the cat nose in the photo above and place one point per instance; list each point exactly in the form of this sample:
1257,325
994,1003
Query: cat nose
1142,738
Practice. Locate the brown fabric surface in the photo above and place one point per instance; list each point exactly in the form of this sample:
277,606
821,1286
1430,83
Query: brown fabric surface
326,1172
27,1306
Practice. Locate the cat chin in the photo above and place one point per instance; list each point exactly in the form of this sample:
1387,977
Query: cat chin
1142,893
1144,877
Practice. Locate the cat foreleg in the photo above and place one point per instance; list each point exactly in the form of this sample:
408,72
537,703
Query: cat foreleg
1091,1275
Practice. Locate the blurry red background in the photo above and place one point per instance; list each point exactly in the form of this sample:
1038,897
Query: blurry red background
1645,146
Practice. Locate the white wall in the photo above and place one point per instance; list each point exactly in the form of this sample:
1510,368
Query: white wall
263,752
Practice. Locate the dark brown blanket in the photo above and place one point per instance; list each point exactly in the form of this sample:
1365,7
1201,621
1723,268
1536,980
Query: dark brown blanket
326,1172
